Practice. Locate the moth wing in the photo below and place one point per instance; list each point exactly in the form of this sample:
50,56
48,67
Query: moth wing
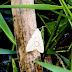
30,45
40,47
35,42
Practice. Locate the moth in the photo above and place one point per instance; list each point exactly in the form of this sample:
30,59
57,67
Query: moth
35,42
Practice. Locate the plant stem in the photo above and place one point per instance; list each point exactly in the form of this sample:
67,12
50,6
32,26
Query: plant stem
71,56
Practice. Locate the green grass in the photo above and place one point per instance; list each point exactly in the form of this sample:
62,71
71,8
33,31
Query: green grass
54,29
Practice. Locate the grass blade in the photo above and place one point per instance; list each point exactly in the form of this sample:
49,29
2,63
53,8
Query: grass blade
65,12
36,6
42,33
71,56
49,51
14,66
61,14
66,7
65,60
6,29
52,67
6,51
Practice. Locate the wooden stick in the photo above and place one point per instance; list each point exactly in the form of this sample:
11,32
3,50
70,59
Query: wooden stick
24,26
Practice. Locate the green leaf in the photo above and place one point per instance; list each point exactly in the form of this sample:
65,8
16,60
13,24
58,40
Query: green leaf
14,66
66,7
0,29
36,6
6,51
71,56
51,26
49,1
62,24
66,10
44,17
6,29
69,2
61,28
61,14
42,33
7,12
49,51
65,60
58,38
52,67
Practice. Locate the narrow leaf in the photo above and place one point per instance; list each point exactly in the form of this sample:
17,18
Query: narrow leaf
36,6
6,29
71,56
49,51
65,60
6,51
52,67
14,66
42,33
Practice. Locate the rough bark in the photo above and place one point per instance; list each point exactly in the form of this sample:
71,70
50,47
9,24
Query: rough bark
48,60
24,26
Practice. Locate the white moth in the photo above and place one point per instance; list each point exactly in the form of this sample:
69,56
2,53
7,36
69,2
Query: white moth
35,42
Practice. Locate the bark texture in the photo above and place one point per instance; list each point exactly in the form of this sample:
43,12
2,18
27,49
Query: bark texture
24,26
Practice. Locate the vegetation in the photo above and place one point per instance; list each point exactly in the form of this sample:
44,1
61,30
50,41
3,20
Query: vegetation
55,20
